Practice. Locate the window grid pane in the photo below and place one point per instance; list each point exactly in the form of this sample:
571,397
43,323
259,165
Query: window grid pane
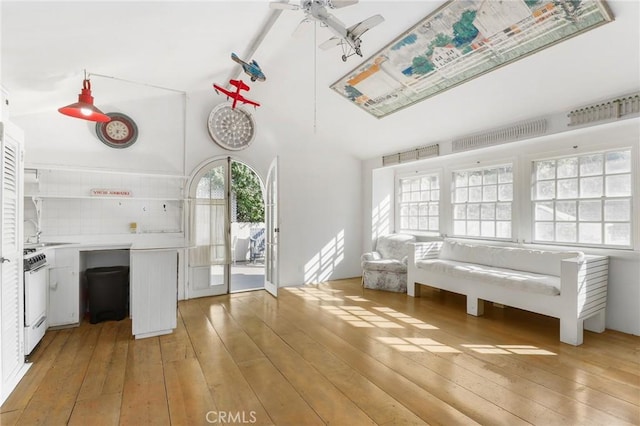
482,200
584,199
419,203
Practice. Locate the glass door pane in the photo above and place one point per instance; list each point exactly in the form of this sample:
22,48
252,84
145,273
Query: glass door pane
272,230
209,227
247,229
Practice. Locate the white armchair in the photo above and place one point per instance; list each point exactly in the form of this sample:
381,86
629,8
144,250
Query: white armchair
386,267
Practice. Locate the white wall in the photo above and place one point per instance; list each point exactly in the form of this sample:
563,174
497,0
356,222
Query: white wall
67,208
1,59
623,305
55,139
319,199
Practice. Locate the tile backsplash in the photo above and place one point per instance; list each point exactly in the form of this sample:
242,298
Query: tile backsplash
68,208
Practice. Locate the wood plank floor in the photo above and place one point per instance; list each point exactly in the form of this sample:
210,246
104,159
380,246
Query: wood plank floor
331,354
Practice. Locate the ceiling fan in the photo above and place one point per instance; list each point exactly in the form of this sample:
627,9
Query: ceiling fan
316,10
346,37
308,5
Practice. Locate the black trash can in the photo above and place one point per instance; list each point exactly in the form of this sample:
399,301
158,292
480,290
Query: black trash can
108,289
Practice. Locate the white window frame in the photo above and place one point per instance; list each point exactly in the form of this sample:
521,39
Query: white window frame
399,203
513,202
602,199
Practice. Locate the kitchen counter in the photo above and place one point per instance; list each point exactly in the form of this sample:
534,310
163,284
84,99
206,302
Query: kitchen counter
107,242
155,276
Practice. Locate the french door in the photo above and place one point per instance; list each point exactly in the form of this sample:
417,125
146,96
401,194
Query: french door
215,255
272,225
209,212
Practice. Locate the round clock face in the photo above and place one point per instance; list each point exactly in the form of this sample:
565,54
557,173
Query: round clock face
232,129
120,132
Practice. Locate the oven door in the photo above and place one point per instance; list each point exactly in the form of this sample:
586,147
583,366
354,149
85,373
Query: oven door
35,295
35,306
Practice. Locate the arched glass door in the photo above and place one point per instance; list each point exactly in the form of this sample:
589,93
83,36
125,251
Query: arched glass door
272,230
226,228
209,252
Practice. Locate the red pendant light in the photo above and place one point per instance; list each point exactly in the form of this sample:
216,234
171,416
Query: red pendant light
84,108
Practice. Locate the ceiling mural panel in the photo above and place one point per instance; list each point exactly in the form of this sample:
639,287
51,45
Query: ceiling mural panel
462,40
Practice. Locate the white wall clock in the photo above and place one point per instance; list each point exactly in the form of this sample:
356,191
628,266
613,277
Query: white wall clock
120,132
231,128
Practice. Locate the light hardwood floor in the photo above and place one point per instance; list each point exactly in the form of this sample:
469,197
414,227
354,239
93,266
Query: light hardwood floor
331,354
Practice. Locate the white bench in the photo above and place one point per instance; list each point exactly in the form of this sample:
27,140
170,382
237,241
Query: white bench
570,286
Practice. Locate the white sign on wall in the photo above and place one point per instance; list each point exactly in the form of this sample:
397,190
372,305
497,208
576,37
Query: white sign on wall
99,192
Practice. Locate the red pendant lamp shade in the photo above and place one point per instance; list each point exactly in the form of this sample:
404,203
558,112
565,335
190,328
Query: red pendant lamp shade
84,108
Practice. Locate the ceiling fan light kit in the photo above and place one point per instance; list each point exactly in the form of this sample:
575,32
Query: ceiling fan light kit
349,38
84,108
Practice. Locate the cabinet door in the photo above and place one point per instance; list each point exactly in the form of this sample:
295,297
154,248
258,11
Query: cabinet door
64,288
11,288
154,291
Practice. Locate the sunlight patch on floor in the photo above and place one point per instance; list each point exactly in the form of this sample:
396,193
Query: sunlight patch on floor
388,318
526,350
314,294
405,318
417,344
361,314
508,349
356,298
360,317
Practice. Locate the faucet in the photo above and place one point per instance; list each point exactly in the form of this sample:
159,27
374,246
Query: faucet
37,229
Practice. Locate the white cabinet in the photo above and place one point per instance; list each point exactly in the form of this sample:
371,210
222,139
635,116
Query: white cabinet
12,365
64,287
154,287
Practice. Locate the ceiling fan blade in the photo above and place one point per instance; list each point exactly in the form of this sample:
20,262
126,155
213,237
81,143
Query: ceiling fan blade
336,25
332,42
297,33
283,5
337,4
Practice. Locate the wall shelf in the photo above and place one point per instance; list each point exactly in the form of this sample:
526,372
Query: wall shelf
68,183
154,202
101,171
91,197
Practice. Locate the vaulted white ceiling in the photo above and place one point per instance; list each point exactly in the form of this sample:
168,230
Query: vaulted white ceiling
185,46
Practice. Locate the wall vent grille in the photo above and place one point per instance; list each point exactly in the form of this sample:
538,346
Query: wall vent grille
411,155
527,129
610,110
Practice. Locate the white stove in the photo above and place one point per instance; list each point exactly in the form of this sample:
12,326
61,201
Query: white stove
35,297
33,259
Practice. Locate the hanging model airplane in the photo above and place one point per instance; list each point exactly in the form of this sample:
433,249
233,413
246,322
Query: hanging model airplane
351,42
236,96
252,69
348,38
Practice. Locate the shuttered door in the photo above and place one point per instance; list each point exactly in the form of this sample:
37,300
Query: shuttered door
11,266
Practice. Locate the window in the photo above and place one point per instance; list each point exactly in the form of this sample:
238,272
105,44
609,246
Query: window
583,199
482,202
419,203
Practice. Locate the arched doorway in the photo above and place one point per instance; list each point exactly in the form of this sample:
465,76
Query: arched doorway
226,229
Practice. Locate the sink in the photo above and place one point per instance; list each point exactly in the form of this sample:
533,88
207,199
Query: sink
41,245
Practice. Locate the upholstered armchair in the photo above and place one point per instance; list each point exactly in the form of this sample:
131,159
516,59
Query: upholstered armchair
386,267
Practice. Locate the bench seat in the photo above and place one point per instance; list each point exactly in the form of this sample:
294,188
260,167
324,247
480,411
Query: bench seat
566,285
511,278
